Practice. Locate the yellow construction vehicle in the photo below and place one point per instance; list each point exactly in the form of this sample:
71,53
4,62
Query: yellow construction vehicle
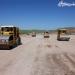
46,34
62,35
9,37
33,34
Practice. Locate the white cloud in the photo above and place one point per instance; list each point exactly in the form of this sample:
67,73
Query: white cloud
62,4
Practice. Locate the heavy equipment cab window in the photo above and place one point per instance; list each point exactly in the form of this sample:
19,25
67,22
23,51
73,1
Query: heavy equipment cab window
2,29
7,29
11,29
64,31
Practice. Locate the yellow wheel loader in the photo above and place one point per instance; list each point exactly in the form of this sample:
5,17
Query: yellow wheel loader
62,35
46,35
33,34
9,37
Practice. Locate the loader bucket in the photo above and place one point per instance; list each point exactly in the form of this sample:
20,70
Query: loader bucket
63,39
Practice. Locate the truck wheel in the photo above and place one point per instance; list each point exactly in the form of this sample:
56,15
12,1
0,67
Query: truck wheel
11,47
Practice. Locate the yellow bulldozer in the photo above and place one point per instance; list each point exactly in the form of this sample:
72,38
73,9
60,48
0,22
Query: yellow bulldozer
9,37
62,35
46,34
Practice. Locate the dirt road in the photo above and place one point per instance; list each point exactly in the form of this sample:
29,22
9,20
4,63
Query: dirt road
39,56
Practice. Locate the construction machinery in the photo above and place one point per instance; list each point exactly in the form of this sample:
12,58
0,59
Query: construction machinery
9,37
62,35
33,34
46,34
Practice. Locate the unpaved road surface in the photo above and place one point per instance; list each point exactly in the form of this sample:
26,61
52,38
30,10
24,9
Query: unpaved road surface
39,56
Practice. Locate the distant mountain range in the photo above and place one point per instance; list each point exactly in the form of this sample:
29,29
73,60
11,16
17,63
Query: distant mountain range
68,28
41,31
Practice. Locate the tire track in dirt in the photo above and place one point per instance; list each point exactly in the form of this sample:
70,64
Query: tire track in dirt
40,63
70,62
67,60
39,56
14,56
71,59
53,64
62,68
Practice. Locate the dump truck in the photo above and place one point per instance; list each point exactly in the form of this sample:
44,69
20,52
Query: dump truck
9,37
62,35
46,34
33,34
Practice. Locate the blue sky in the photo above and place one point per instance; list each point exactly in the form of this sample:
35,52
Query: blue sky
36,14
